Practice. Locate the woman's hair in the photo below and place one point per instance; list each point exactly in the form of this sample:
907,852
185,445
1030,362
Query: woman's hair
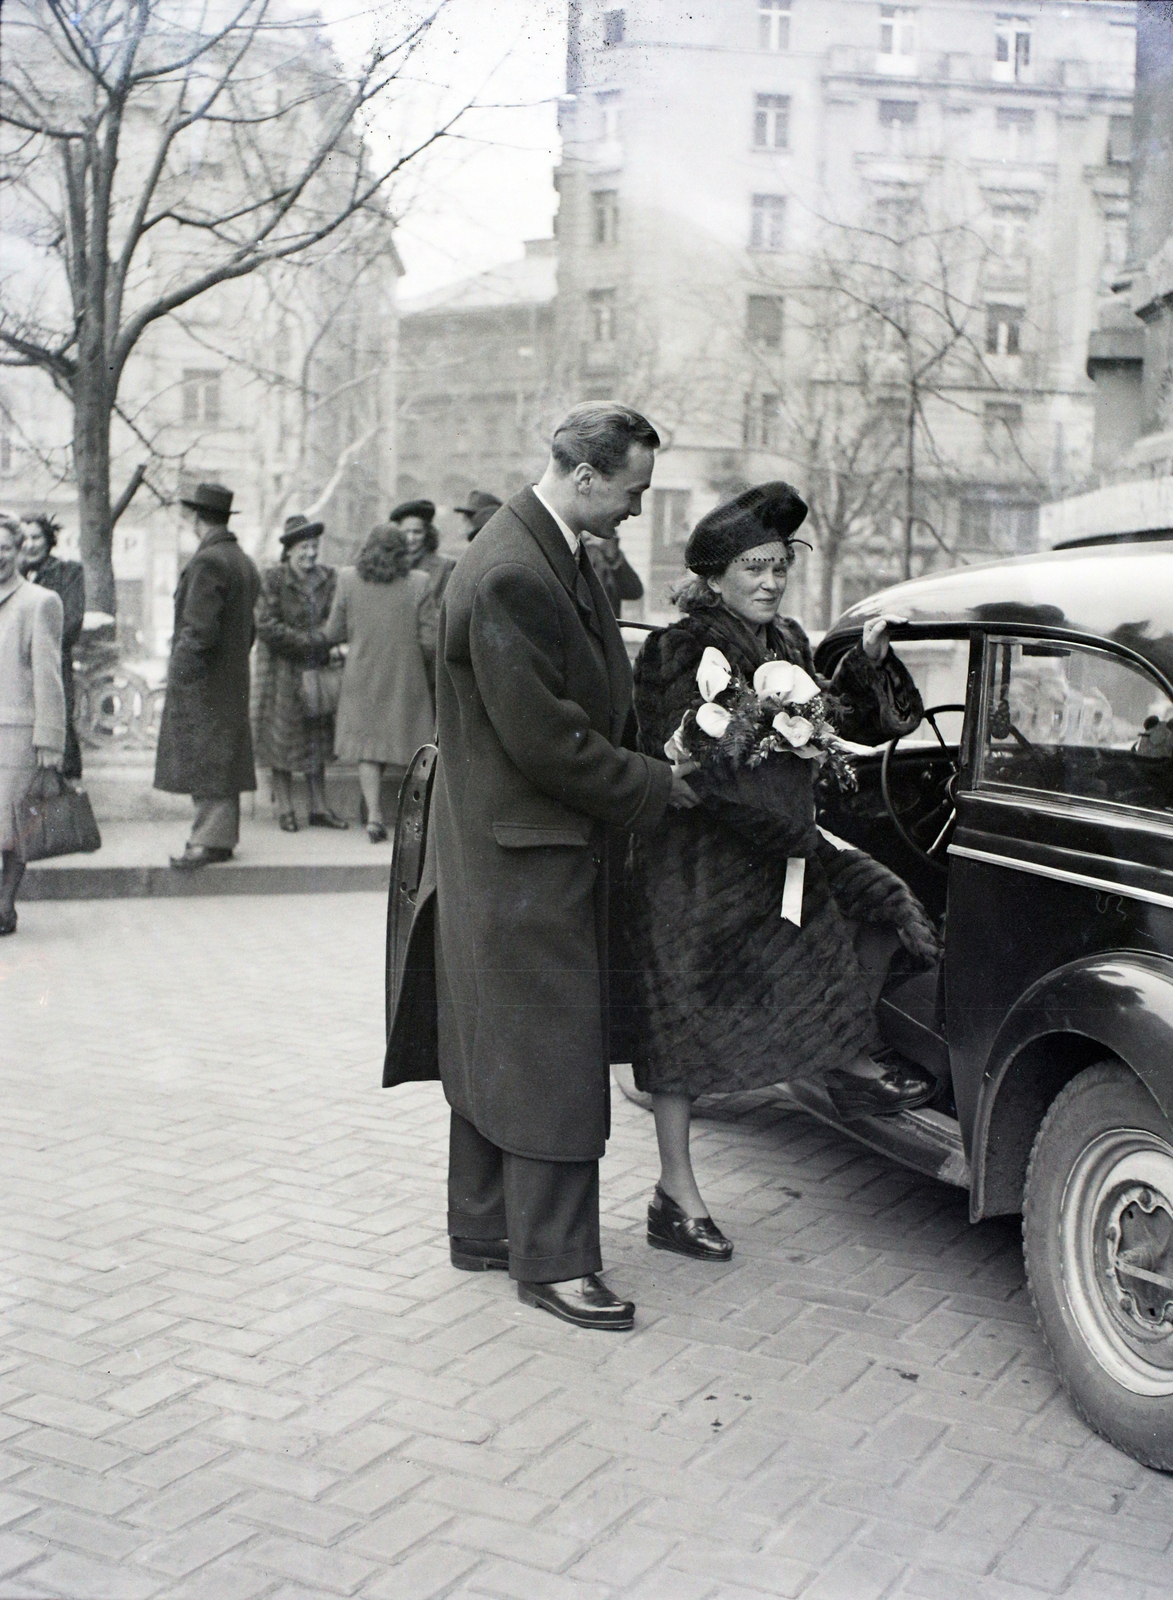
692,593
431,539
384,557
11,524
49,527
601,433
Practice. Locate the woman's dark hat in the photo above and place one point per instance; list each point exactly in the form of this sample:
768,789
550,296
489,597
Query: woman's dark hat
757,516
478,500
413,508
298,530
213,498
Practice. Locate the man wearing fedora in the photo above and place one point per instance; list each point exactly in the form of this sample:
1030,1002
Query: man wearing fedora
478,511
205,744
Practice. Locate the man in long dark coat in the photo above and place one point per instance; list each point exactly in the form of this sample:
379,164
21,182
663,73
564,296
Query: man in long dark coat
205,743
67,580
505,988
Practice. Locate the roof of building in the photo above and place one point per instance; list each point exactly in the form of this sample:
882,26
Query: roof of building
1119,592
531,281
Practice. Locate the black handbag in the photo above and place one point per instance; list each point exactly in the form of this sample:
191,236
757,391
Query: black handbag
55,819
321,690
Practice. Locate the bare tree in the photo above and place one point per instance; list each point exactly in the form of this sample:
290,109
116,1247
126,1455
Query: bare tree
115,113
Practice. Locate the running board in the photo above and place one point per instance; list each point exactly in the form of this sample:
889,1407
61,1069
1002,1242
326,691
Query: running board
927,1141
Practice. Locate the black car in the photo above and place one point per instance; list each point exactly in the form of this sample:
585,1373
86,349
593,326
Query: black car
1032,811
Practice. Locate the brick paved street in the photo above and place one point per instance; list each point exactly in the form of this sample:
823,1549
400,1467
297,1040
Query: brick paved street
235,1362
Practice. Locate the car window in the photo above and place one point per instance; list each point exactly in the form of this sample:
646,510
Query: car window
1075,721
939,668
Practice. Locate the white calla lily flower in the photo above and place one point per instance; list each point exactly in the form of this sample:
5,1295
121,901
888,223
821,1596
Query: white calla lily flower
714,673
782,680
797,731
712,719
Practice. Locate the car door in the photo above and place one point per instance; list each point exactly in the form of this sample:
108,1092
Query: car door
1064,838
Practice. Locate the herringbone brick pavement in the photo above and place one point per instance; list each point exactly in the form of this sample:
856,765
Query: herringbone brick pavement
235,1364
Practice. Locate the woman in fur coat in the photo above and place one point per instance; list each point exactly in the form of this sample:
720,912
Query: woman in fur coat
728,993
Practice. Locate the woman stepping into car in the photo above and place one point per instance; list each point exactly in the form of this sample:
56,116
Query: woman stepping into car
758,946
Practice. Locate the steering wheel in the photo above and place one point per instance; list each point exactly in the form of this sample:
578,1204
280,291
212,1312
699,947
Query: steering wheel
927,833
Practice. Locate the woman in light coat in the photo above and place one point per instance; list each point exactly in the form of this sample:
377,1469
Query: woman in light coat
387,613
32,703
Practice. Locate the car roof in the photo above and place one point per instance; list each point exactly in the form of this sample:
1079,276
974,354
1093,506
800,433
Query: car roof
1120,593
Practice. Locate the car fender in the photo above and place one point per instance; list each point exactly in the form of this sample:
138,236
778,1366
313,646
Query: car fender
1118,1001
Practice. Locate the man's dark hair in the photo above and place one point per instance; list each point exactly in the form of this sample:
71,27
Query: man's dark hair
601,433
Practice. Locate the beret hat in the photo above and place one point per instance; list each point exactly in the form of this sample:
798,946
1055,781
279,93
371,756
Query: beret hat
423,509
767,512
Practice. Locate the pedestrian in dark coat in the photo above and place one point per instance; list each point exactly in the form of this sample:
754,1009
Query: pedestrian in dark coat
205,744
290,733
730,993
480,510
615,572
67,579
505,992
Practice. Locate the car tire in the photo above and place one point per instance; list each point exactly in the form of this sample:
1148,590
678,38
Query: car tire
1097,1214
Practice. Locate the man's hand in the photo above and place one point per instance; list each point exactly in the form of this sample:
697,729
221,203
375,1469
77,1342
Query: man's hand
50,758
682,797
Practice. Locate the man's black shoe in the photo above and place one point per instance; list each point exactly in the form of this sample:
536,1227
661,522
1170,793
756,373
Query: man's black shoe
200,855
901,1087
586,1303
480,1255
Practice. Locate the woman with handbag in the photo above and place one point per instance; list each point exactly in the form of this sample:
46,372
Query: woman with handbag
32,704
296,682
388,613
757,945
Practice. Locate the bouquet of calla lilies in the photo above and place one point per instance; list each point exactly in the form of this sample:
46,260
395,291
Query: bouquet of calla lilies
781,713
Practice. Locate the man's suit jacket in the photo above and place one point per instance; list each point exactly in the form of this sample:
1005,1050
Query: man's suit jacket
506,980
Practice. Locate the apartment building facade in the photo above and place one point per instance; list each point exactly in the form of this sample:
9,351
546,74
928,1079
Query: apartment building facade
727,172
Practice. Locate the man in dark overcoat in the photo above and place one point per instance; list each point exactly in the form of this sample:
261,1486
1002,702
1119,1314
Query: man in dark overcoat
505,989
205,743
67,579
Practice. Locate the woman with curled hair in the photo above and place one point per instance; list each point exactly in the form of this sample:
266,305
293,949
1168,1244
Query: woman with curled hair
386,612
415,519
32,703
730,992
67,579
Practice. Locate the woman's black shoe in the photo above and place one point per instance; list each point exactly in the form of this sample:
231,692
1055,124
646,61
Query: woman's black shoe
479,1255
326,819
669,1228
287,822
376,832
898,1088
8,924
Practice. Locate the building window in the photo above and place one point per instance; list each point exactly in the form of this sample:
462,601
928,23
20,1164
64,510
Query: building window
1001,428
768,222
1012,50
998,527
605,216
601,306
5,440
1119,141
671,525
761,424
609,116
897,40
1010,234
774,24
614,26
763,321
771,121
1003,330
898,124
1016,133
201,396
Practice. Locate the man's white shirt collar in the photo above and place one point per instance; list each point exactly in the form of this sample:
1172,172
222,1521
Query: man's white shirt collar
568,534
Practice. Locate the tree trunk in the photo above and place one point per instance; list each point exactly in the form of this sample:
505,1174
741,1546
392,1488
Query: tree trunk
91,465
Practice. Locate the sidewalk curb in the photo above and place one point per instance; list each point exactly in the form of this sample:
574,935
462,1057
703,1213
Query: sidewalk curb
155,883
